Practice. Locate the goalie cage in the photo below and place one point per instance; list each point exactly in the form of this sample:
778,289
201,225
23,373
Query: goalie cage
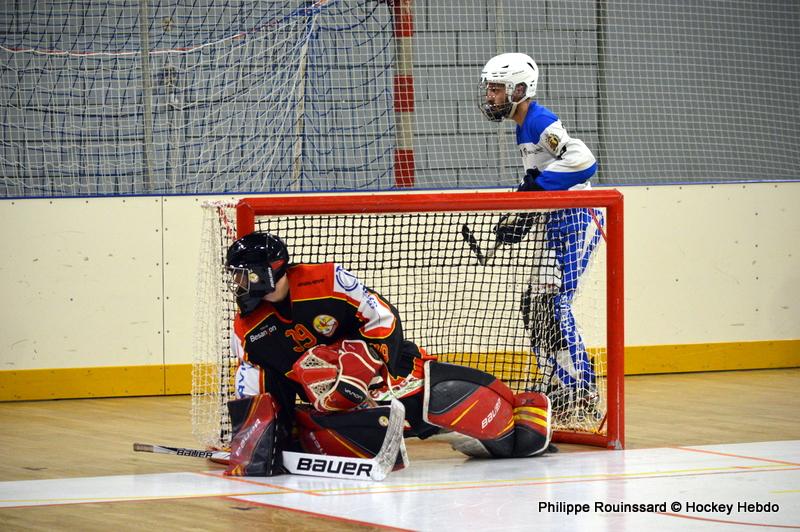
411,248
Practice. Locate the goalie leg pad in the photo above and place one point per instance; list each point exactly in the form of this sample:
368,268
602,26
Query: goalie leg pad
254,446
357,433
466,400
532,424
530,436
478,405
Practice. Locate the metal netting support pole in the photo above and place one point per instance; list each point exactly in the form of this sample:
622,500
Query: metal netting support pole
147,98
403,25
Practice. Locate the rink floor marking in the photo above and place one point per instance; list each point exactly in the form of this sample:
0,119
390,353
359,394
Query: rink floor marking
401,488
317,514
495,484
728,522
249,480
427,477
717,453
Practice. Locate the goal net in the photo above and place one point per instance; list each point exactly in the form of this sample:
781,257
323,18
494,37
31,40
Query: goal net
541,311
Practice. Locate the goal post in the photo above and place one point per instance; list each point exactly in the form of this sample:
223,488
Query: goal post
491,315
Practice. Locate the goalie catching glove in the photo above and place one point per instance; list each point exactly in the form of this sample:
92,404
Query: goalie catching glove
337,376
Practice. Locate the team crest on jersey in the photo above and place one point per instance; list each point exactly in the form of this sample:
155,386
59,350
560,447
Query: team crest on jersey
552,141
347,280
325,325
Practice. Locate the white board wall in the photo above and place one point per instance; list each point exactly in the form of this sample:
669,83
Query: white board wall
111,281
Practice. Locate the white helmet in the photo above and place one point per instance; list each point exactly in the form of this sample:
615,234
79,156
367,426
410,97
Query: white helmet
519,74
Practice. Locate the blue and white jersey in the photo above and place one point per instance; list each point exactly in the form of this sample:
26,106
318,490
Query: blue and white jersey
565,163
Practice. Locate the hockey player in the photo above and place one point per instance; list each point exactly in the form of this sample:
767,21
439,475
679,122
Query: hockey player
553,160
315,332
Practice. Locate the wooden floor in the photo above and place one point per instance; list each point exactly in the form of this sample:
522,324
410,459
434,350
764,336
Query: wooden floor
93,437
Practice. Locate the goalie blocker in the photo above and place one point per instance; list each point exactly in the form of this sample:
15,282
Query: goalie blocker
259,442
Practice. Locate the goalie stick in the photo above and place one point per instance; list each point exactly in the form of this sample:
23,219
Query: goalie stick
181,451
321,465
472,242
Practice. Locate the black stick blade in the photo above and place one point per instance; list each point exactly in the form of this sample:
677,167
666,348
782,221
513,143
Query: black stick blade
469,238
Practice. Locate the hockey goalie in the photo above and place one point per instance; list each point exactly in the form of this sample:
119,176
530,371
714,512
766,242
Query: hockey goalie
314,332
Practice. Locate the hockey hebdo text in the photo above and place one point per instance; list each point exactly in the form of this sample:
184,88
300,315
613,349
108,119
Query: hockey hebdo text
723,508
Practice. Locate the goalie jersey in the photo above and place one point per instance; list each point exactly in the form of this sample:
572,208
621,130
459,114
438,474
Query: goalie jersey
326,303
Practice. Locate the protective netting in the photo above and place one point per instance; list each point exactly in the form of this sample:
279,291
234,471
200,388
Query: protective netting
253,102
211,96
213,363
533,314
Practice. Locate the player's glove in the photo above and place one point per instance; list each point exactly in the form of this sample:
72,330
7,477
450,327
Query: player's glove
358,365
529,183
512,228
337,377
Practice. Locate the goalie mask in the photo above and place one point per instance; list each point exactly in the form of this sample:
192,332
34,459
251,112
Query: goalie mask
256,262
517,74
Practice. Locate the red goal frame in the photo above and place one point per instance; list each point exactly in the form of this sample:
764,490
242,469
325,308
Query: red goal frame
612,200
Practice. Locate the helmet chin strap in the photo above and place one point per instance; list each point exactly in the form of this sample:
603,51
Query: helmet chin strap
512,111
515,106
